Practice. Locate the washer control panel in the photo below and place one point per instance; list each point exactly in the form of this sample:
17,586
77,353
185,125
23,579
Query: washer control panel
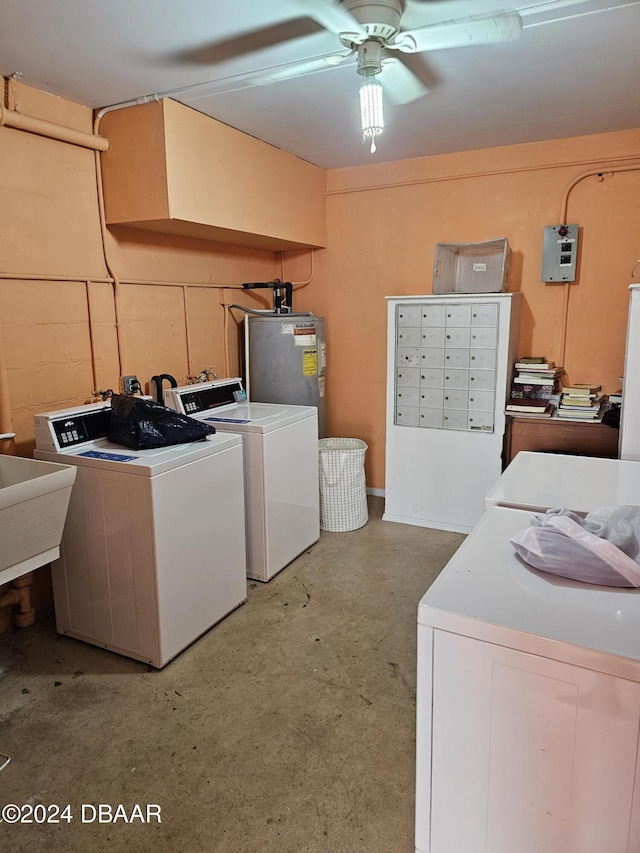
62,430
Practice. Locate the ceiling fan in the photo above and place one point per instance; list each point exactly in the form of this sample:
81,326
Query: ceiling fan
371,30
371,36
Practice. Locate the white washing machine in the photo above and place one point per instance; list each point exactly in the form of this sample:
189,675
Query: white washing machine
152,556
528,706
282,497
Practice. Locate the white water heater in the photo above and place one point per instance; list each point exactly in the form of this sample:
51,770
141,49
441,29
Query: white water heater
285,360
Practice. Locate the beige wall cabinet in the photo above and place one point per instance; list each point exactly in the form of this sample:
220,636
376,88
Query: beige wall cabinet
172,169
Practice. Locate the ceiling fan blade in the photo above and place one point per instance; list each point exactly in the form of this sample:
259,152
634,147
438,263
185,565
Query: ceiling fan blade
399,83
299,69
248,42
333,16
249,79
485,29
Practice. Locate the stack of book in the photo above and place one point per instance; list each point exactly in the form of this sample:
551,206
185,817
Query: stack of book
521,407
580,402
534,389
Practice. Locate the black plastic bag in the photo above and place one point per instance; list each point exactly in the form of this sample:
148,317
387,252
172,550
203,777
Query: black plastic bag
611,417
144,424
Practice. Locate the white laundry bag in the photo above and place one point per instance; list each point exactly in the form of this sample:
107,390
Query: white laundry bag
343,487
601,548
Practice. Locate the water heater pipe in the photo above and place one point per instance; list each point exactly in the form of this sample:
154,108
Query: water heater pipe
20,121
270,313
279,303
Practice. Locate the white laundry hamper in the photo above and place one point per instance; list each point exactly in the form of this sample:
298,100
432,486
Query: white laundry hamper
343,486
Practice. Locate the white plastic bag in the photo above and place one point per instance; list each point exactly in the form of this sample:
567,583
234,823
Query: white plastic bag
601,548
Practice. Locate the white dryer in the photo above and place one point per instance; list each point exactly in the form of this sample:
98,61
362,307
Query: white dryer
540,481
282,498
151,555
528,706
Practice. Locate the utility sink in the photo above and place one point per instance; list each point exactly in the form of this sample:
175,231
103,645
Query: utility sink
34,497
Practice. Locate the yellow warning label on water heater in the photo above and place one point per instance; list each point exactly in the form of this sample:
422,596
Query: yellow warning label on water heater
309,362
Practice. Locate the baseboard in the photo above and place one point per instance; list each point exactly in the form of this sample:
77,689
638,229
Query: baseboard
434,524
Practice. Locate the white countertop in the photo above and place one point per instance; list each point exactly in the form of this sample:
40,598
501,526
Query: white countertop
486,591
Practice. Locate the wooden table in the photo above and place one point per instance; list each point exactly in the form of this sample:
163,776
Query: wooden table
585,438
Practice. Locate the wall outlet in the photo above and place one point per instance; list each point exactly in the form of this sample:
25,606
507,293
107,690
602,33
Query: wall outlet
130,384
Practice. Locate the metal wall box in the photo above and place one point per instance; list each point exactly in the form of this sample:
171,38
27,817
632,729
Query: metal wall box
560,253
472,267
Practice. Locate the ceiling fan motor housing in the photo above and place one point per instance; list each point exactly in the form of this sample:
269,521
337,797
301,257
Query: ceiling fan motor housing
369,58
379,18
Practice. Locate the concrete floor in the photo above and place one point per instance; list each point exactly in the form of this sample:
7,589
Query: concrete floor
288,727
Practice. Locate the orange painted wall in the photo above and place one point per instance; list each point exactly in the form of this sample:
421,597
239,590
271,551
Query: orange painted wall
383,225
49,236
50,230
384,222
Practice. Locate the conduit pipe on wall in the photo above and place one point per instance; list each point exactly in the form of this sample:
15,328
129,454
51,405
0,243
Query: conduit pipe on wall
5,425
117,282
41,127
187,334
225,332
19,121
202,286
564,207
7,444
21,276
94,375
5,405
105,252
602,170
103,230
103,219
299,284
223,303
487,173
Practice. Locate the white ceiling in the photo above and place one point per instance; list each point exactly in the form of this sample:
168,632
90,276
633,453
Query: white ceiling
576,70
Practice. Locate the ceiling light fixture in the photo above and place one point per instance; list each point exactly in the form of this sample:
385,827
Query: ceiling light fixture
371,113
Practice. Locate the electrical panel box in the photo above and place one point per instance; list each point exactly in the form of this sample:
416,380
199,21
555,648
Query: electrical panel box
560,253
